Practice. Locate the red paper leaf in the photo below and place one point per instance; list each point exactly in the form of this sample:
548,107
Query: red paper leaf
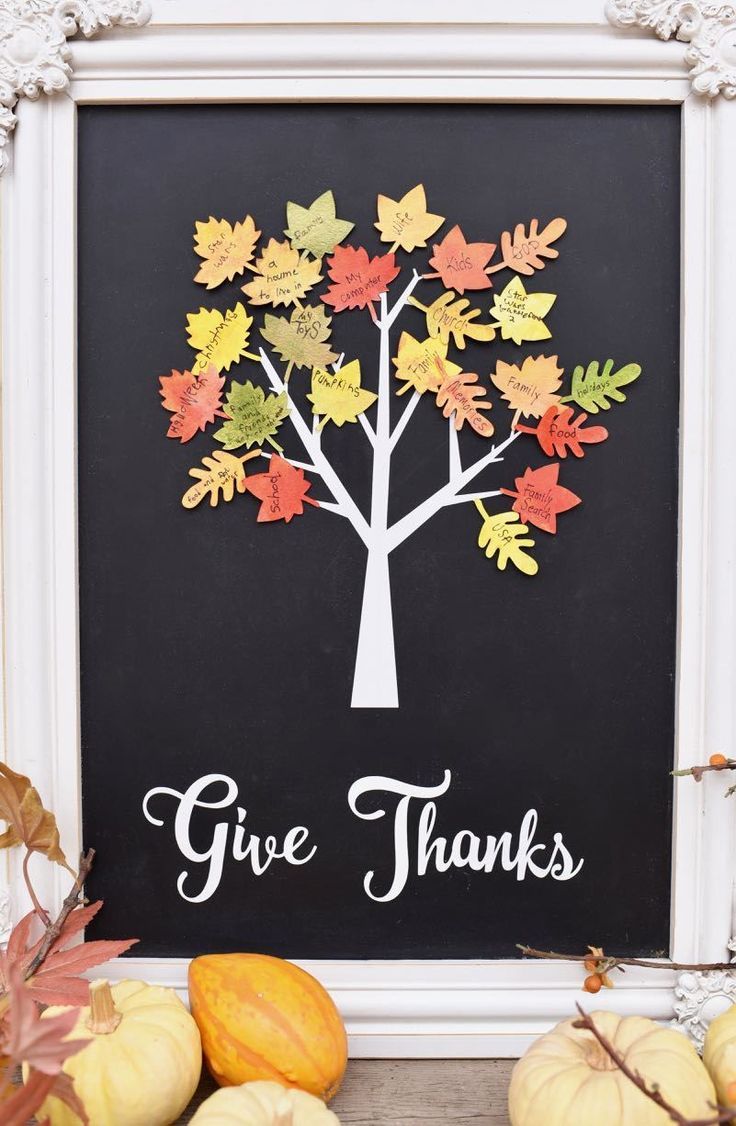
539,499
195,400
39,1043
358,280
461,264
557,432
281,489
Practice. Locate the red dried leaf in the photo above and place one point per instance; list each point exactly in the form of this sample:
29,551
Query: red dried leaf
358,280
20,935
539,499
22,1105
557,432
75,923
63,1089
55,982
39,1043
195,400
59,990
461,264
282,491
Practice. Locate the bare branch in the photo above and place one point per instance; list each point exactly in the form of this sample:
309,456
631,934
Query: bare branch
465,497
614,962
387,319
370,432
407,413
454,448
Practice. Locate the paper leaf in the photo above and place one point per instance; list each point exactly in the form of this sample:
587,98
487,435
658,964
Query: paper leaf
253,417
525,253
502,537
28,822
539,499
520,315
406,222
357,280
283,276
222,475
226,250
416,363
448,317
220,339
458,394
39,1043
195,401
557,432
302,340
338,395
461,264
591,389
529,389
282,491
316,228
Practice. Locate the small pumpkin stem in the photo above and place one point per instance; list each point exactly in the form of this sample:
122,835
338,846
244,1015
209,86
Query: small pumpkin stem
104,1017
284,1113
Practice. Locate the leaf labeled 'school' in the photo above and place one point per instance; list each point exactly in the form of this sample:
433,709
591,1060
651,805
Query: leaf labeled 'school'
195,400
338,396
28,823
529,389
220,339
592,388
357,280
526,253
520,315
502,537
283,276
226,250
223,473
460,396
316,228
416,363
252,416
461,264
302,341
450,316
406,222
558,432
539,499
282,491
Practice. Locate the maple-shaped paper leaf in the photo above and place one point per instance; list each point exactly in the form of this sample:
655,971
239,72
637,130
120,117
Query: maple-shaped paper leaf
416,363
461,264
406,222
448,317
302,340
283,276
591,388
529,389
525,253
281,490
338,395
358,280
220,339
557,432
28,822
502,536
226,250
252,416
539,499
41,1044
520,315
222,475
458,394
195,400
316,228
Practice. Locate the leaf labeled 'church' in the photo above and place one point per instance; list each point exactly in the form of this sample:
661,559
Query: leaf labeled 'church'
520,315
252,416
406,222
539,499
451,316
316,228
220,339
282,490
223,473
358,280
529,389
302,340
503,537
226,250
338,396
195,401
461,264
283,276
558,432
459,395
526,253
592,388
416,363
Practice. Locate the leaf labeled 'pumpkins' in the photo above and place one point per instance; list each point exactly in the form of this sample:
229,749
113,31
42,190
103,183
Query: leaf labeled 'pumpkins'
282,491
302,340
592,388
29,824
526,253
539,499
520,315
223,473
406,222
194,399
316,228
253,417
529,389
338,395
503,537
226,250
558,432
283,276
220,339
450,316
459,395
461,264
358,280
416,363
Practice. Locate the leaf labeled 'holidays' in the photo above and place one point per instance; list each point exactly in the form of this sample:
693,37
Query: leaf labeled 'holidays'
195,401
338,396
282,490
29,824
450,316
223,473
592,388
416,363
526,253
558,432
283,276
358,280
226,250
220,339
461,264
253,417
504,538
406,222
302,340
520,315
539,499
316,228
460,396
531,388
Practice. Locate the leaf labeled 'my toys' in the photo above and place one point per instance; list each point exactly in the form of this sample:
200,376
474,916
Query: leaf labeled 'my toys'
220,339
450,316
316,228
461,264
338,396
252,416
222,475
195,400
406,222
358,280
283,276
282,491
592,388
520,315
226,250
503,537
302,340
416,363
459,395
539,499
529,389
558,432
526,253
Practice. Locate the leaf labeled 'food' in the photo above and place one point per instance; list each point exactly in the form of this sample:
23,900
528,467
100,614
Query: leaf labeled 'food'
450,316
226,250
520,315
503,537
358,280
529,389
461,264
338,396
539,499
526,253
416,363
458,395
253,416
406,222
592,388
316,228
302,340
29,824
282,490
223,473
283,276
195,400
558,432
220,339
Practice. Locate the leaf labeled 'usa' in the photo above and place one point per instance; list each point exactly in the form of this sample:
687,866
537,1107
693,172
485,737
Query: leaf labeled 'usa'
504,538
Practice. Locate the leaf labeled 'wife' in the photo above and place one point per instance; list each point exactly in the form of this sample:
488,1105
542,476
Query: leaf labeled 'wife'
406,222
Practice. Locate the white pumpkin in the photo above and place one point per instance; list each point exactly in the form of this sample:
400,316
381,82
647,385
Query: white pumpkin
719,1055
262,1103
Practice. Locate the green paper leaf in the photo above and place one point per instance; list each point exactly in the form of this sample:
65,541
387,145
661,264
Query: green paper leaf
253,416
591,388
302,340
316,228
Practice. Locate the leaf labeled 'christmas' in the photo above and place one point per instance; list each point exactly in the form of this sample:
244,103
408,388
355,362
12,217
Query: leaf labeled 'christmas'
539,499
226,250
459,395
520,315
526,253
558,432
316,228
283,276
461,264
220,339
529,389
450,316
503,537
194,399
338,396
358,280
282,490
29,824
406,222
592,388
302,340
223,473
253,417
416,363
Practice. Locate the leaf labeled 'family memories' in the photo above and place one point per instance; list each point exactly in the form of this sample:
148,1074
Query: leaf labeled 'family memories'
302,340
416,363
220,339
222,475
529,389
282,490
526,253
195,400
592,388
29,824
252,416
503,537
338,396
316,228
520,315
461,264
460,396
358,280
406,222
226,250
558,432
539,499
451,316
283,276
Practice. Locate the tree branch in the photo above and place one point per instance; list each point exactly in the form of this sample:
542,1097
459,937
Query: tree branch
401,425
72,900
370,432
463,498
454,448
387,319
614,962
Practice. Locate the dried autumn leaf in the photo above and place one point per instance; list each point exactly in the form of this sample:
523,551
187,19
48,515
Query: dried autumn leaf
525,253
253,417
520,315
194,399
557,432
458,395
302,340
338,395
529,389
416,363
222,475
226,250
316,228
539,499
406,222
502,536
39,1043
461,264
28,822
220,339
448,317
283,277
358,280
591,388
282,491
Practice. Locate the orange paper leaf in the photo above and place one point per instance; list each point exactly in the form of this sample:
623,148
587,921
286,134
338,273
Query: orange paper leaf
358,280
226,250
529,389
458,393
194,399
525,253
283,276
461,264
557,432
282,491
406,222
539,499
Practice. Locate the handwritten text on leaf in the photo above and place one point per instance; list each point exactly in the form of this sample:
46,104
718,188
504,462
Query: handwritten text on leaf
338,395
226,250
520,315
282,491
407,222
253,417
283,276
220,339
316,228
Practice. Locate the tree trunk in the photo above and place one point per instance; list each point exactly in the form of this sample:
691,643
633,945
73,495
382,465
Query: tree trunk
374,683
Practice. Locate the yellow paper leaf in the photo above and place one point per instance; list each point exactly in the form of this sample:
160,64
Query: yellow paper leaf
406,222
502,536
283,277
316,228
302,340
338,395
222,475
28,822
220,339
520,315
450,316
529,389
226,250
416,363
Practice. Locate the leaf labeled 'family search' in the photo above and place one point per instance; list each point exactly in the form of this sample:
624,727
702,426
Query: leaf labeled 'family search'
220,339
539,498
450,316
302,340
504,538
358,280
406,222
592,388
195,400
558,432
282,490
316,228
526,253
283,276
520,315
529,389
461,264
416,363
338,396
226,250
223,473
460,396
252,416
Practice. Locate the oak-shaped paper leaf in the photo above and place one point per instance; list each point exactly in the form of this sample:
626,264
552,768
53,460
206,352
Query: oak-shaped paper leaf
520,315
282,491
407,222
29,824
460,395
283,276
526,253
539,499
416,363
450,316
558,432
461,264
42,1044
226,250
338,396
223,473
252,416
358,280
503,537
194,399
592,388
316,228
219,339
302,340
529,389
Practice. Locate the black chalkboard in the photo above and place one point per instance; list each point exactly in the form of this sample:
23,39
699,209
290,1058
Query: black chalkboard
212,644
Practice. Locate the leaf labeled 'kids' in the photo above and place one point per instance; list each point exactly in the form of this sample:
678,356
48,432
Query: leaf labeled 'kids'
450,316
502,537
461,264
338,396
29,824
282,491
459,396
559,432
539,498
302,341
226,250
529,389
416,363
283,276
316,228
357,280
195,400
253,416
222,475
220,339
520,315
592,388
526,252
406,222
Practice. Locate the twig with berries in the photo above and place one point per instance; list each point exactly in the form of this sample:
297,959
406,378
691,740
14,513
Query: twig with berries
715,763
599,965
